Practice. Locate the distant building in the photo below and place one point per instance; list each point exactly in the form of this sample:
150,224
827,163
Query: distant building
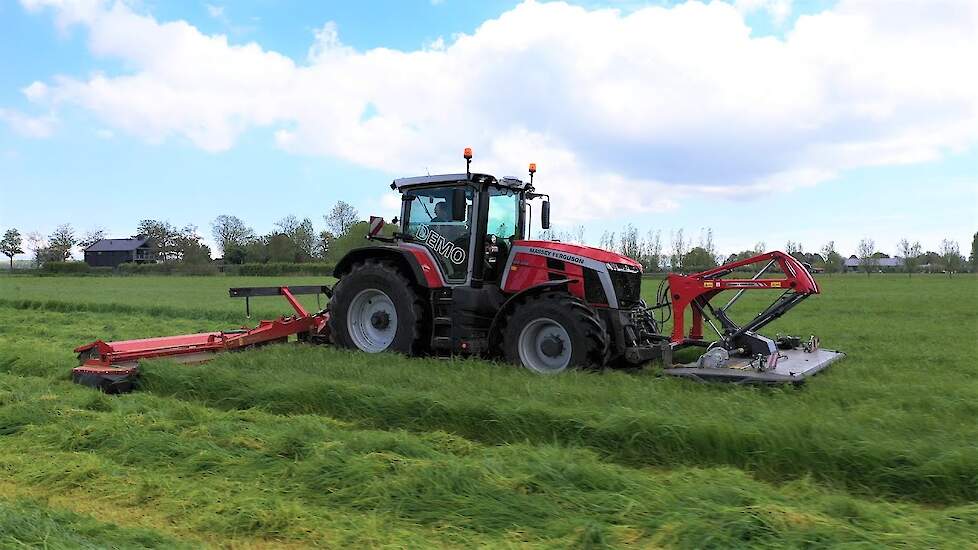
880,264
112,252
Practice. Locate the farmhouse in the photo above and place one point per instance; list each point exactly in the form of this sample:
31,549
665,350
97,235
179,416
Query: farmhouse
112,252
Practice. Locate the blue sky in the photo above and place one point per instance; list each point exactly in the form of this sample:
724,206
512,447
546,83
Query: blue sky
632,117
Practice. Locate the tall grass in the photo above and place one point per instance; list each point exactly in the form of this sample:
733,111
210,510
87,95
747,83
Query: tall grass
315,446
307,478
28,524
635,420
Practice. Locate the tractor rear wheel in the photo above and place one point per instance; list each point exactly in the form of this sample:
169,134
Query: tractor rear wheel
375,308
552,332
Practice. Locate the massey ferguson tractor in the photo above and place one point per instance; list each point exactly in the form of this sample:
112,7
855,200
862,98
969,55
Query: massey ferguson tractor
459,277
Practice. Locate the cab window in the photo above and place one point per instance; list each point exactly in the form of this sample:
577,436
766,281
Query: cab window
503,218
428,218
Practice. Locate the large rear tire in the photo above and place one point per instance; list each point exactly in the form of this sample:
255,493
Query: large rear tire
375,308
552,332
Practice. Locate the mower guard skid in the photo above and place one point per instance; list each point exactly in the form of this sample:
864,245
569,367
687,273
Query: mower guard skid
794,367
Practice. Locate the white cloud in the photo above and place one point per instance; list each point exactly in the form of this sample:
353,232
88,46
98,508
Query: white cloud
624,112
217,12
29,126
37,91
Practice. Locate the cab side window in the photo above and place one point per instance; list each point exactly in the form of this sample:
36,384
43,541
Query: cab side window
429,221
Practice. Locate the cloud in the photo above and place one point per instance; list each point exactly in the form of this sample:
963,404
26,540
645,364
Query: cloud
29,126
217,12
624,112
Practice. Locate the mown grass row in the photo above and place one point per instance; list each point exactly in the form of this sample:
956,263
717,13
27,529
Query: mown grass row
308,479
634,420
28,524
856,427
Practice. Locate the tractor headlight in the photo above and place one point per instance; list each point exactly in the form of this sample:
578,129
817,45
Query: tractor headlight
624,268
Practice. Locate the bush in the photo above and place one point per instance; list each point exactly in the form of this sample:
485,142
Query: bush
276,269
65,268
167,268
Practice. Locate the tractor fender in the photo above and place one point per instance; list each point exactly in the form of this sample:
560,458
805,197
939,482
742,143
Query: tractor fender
415,261
510,303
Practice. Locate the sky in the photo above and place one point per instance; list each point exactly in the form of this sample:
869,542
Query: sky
764,120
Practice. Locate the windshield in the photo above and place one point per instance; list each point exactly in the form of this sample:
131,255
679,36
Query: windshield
503,219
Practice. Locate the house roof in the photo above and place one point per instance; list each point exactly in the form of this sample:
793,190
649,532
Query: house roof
852,261
115,245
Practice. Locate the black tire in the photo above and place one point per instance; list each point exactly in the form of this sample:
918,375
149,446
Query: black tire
409,334
587,337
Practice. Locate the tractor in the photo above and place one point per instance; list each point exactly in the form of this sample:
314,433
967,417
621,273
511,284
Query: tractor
459,276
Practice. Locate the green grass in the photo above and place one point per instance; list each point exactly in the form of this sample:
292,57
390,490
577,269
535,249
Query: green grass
28,524
302,445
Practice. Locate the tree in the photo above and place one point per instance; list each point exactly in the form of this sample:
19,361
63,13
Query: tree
91,237
792,248
323,244
163,237
302,234
281,248
678,250
833,260
950,256
61,241
973,259
652,251
36,243
760,247
698,259
628,245
11,244
189,247
577,235
866,260
231,235
354,238
341,218
910,253
706,243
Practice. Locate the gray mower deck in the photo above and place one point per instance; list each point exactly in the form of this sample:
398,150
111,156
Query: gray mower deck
794,367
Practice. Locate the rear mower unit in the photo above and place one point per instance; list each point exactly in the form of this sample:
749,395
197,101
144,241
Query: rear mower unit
460,276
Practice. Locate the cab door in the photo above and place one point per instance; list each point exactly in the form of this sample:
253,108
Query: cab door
429,218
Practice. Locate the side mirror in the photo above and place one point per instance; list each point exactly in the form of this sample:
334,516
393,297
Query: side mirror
458,204
545,215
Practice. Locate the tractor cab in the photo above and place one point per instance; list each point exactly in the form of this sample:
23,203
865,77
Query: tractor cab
468,222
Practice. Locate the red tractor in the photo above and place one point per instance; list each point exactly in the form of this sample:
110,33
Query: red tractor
460,277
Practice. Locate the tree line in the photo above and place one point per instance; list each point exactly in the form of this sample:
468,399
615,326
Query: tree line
297,241
292,240
680,252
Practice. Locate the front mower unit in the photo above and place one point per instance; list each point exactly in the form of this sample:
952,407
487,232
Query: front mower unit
741,355
789,366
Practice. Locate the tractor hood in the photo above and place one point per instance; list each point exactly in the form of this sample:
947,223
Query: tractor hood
589,252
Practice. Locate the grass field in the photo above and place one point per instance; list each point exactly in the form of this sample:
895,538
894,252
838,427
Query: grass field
294,446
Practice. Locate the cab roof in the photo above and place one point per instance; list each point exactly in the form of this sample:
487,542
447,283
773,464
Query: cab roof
425,181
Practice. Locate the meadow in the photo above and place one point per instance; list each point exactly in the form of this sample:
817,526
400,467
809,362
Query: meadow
291,446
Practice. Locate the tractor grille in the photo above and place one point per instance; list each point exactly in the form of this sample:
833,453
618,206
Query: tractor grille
593,291
628,288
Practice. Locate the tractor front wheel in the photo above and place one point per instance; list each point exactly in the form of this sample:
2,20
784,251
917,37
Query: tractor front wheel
374,308
552,332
